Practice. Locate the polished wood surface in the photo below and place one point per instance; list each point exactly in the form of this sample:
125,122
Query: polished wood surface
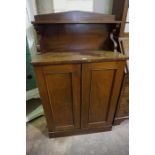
79,131
100,89
66,37
125,45
122,111
60,92
75,30
77,57
120,9
74,17
61,87
124,99
78,73
124,49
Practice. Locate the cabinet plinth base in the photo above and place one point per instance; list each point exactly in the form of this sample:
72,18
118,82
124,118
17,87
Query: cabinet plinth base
79,131
117,121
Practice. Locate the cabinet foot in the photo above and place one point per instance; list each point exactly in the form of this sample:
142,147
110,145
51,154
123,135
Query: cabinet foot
117,121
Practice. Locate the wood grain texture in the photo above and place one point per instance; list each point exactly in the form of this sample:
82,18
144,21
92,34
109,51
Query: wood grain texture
124,49
74,30
77,57
61,37
122,111
74,17
44,97
120,9
124,43
78,75
79,131
60,94
60,89
122,27
100,92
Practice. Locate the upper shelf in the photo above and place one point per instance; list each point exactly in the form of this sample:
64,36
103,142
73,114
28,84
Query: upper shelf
74,17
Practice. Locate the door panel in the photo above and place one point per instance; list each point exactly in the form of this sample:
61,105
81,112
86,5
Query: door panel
62,84
100,93
101,85
59,88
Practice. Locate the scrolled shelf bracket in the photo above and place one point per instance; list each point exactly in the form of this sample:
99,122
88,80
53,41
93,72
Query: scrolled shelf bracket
112,37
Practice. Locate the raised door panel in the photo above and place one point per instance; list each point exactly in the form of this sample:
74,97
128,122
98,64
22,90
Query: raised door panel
101,85
62,88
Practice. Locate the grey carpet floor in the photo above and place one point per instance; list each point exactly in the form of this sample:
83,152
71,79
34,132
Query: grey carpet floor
115,142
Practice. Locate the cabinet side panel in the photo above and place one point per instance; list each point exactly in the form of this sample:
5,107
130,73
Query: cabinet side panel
123,103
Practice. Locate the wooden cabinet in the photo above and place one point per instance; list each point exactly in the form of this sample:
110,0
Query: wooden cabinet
78,73
79,97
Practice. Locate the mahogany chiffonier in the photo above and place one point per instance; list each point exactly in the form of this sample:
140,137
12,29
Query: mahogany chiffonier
78,70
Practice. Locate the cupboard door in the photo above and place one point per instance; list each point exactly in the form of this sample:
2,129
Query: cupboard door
101,84
59,87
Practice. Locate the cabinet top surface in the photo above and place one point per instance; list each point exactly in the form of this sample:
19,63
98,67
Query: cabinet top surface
77,57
